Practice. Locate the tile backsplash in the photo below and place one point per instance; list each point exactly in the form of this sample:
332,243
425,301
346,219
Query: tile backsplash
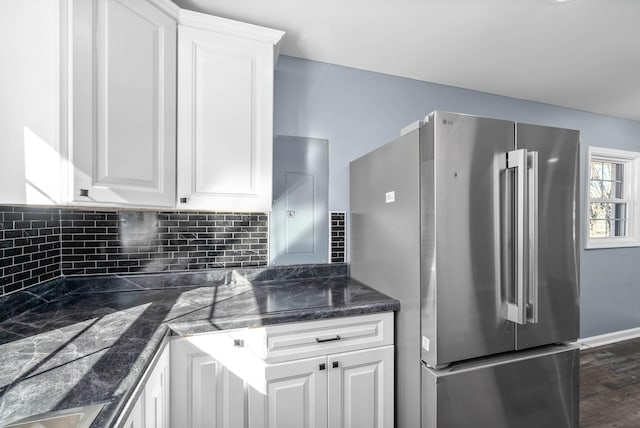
145,241
338,228
37,244
29,246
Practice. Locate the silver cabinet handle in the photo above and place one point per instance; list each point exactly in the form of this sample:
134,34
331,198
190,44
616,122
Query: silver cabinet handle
517,159
532,268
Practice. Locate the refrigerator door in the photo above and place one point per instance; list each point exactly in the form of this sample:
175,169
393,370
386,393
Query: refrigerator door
528,389
463,302
558,311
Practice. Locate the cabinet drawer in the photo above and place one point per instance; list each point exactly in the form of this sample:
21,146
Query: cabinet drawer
308,339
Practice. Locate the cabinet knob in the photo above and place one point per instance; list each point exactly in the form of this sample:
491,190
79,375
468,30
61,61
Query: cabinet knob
238,343
322,366
335,364
84,192
184,200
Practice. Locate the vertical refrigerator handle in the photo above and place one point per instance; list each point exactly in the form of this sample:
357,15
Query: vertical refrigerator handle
532,268
516,311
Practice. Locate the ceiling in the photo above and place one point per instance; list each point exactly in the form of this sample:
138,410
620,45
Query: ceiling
582,54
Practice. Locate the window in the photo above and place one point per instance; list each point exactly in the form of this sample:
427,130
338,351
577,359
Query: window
613,204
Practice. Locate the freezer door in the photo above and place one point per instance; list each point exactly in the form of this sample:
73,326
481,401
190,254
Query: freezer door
558,311
527,389
463,303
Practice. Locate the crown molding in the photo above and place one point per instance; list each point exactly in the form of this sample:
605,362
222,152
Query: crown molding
168,7
228,26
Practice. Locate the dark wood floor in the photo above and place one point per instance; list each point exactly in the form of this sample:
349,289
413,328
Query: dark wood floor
610,386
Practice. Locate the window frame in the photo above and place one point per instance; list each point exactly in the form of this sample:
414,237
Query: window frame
631,187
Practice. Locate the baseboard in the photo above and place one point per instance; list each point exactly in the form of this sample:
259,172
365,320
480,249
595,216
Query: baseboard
608,338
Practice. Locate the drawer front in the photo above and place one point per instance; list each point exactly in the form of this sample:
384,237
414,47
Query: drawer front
314,338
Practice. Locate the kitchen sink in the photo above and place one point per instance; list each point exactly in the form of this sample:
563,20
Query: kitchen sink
78,417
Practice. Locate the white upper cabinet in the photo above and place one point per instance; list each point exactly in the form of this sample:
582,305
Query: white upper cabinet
225,113
30,157
122,103
135,98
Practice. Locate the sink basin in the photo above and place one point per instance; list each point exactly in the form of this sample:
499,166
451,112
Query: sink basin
78,417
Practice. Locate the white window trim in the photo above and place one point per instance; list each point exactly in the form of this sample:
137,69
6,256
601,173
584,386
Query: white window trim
632,193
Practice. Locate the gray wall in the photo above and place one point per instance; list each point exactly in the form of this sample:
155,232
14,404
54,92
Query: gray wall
358,111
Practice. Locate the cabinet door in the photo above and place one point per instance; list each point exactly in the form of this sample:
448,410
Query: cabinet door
123,104
361,388
204,392
225,121
296,396
156,394
30,141
136,417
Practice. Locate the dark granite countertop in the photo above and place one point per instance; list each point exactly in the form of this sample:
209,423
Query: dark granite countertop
85,340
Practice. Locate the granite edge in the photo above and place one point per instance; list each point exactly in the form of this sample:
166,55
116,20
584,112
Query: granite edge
187,328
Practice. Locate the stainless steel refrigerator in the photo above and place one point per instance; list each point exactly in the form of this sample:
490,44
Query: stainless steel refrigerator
472,223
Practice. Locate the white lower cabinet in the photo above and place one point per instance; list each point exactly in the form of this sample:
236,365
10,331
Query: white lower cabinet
350,390
136,417
152,406
361,388
317,374
296,395
205,393
157,395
